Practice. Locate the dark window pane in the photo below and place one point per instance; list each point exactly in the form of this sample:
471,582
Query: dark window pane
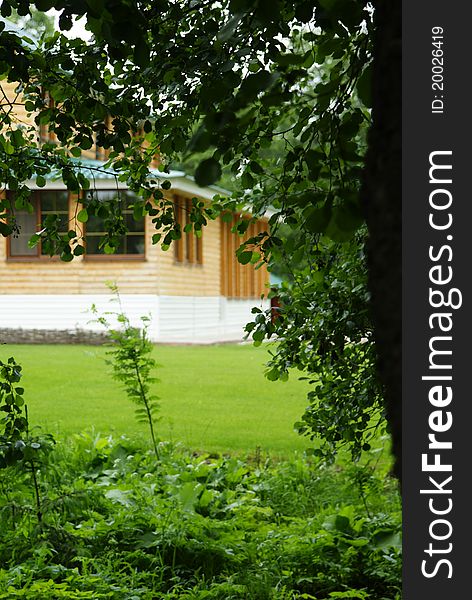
121,247
27,225
63,220
95,224
132,243
135,244
48,201
92,243
133,225
54,201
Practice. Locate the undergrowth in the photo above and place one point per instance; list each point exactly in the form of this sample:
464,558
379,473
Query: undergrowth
116,525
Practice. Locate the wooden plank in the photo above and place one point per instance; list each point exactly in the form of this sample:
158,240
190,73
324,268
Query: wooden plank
189,237
179,244
245,272
237,266
264,273
259,272
223,259
229,258
199,248
253,272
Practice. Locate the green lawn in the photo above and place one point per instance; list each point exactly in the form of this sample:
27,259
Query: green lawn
213,398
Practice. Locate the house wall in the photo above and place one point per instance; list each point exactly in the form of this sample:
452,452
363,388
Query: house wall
158,273
183,279
187,319
187,303
19,113
68,312
80,276
65,318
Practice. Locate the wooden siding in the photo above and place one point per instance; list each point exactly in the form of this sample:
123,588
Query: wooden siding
237,280
81,276
193,279
19,114
52,276
159,273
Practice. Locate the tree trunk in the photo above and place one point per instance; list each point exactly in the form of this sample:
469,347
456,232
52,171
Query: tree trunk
381,196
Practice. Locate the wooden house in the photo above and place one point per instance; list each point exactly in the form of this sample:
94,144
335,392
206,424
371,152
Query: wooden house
196,292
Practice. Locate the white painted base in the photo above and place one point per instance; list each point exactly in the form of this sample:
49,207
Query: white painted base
174,319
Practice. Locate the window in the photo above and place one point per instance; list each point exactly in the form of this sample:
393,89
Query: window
132,243
189,248
45,202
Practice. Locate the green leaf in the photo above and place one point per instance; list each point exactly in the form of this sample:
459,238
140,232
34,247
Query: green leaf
385,538
342,523
256,167
188,495
208,171
272,375
149,540
256,83
119,497
67,256
348,217
141,52
9,148
33,241
245,257
284,60
44,5
86,143
17,138
83,216
201,141
5,229
350,595
40,181
229,28
247,180
138,212
318,219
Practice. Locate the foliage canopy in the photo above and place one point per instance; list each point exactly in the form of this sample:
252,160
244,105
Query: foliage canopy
274,94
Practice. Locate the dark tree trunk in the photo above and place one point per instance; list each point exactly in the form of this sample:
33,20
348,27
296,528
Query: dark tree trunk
382,203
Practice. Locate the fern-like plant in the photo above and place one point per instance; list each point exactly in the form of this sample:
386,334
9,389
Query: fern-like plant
132,364
18,448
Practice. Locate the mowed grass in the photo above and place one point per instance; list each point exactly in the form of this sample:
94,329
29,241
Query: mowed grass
213,398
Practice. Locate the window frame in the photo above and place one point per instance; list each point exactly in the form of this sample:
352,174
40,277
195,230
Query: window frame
89,257
36,202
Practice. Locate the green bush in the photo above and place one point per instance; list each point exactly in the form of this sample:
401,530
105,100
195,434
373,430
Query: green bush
115,525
